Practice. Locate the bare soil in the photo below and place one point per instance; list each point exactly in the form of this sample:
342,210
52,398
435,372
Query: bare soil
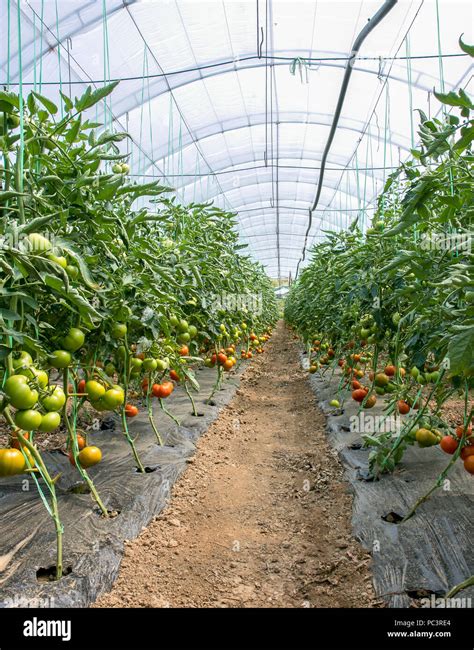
261,517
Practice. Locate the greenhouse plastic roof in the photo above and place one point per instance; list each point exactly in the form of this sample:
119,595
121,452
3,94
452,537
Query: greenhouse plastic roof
232,100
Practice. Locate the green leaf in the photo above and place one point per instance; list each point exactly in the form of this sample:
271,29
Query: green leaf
47,103
461,352
83,268
9,194
469,49
90,98
109,189
71,135
7,314
32,105
465,140
106,137
68,104
10,98
54,282
453,99
5,351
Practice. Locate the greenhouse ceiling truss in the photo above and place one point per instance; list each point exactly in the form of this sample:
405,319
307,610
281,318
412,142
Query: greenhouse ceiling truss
231,122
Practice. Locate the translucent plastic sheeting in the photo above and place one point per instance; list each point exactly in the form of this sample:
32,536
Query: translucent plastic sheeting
238,96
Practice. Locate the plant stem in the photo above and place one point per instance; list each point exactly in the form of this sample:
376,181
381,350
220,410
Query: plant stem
130,441
75,449
443,474
169,414
126,376
462,585
217,384
152,423
186,388
52,490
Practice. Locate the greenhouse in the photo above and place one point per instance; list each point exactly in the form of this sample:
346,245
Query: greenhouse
237,311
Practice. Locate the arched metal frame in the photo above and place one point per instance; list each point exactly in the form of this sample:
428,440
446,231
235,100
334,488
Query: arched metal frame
163,86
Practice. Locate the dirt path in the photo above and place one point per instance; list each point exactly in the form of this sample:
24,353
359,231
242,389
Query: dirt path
261,518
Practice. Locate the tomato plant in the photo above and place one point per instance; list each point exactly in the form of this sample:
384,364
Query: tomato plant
100,299
395,302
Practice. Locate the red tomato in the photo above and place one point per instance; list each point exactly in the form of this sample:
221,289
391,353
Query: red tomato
131,411
371,401
174,375
469,464
359,394
403,407
448,444
467,451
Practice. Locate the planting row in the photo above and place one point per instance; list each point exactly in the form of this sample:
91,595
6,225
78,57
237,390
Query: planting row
393,307
105,306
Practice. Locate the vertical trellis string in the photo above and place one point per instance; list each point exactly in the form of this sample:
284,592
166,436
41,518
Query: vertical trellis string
59,55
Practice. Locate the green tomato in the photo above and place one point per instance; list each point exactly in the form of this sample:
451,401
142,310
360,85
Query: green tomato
33,374
183,325
184,337
123,313
55,400
414,372
174,321
380,390
36,243
364,333
12,462
72,271
74,339
28,420
62,261
396,318
119,330
390,388
24,360
162,364
135,365
50,422
193,331
94,390
117,168
113,398
100,405
121,352
125,168
150,364
13,121
335,403
19,393
426,438
110,369
60,359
